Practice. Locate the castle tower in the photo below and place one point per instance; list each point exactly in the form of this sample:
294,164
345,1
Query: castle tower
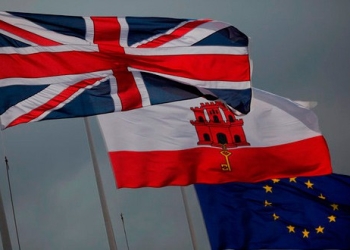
216,126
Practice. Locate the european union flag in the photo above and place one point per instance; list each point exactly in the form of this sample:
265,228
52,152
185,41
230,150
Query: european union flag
294,213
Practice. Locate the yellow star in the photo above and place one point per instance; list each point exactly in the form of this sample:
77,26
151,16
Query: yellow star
335,207
331,218
321,197
291,229
293,179
309,184
276,180
305,233
319,229
275,216
267,204
268,189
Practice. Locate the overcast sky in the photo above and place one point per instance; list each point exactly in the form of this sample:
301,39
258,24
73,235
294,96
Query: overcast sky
299,49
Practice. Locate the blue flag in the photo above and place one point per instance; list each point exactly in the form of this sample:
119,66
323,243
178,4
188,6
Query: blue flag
294,213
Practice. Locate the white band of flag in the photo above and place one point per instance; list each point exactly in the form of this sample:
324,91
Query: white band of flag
201,84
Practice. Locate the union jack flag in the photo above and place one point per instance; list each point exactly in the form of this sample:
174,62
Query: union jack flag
56,66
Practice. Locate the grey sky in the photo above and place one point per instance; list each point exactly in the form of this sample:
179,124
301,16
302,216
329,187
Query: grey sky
299,50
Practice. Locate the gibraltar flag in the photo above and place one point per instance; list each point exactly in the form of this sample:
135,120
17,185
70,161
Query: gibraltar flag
201,141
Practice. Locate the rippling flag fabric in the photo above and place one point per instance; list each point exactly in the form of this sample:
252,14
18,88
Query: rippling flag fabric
197,141
55,66
293,213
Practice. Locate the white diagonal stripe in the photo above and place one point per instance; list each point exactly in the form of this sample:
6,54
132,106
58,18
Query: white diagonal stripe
39,99
13,36
159,35
197,34
63,79
39,30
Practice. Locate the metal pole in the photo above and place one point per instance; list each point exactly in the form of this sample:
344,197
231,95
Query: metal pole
107,219
189,220
126,237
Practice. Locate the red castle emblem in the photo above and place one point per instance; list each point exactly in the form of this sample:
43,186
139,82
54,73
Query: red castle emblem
217,126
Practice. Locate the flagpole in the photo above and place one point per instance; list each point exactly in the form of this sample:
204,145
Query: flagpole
5,236
189,219
4,231
107,219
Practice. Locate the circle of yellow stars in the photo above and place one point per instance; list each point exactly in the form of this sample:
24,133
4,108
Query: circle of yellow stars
292,229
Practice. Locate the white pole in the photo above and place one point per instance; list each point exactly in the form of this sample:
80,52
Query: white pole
107,219
189,219
5,236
